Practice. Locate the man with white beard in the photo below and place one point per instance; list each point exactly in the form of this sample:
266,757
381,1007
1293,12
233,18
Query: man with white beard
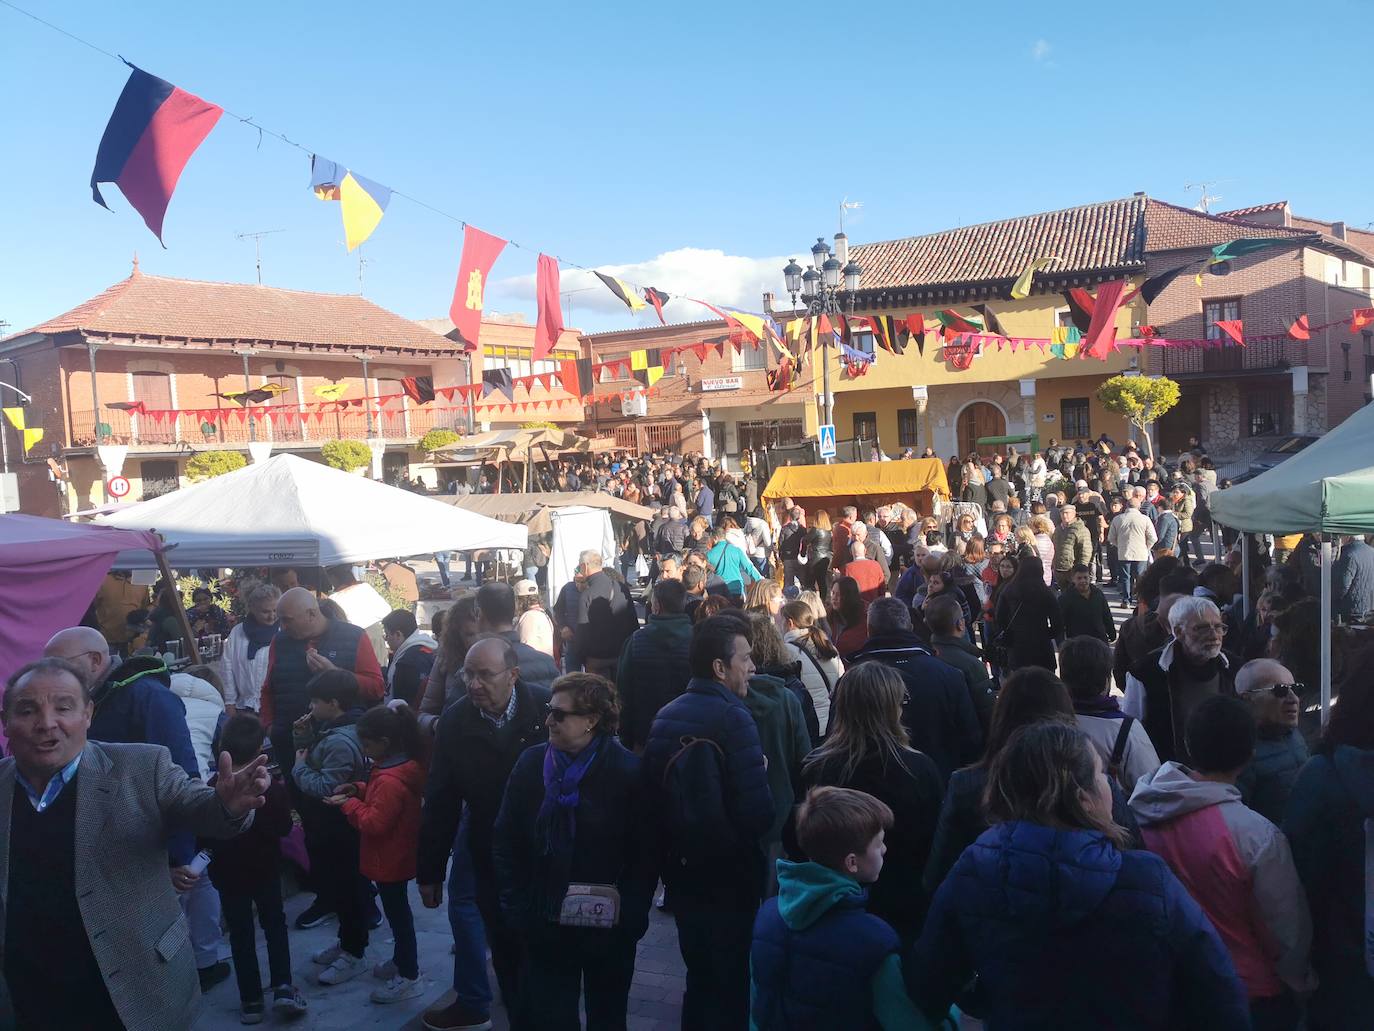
1164,688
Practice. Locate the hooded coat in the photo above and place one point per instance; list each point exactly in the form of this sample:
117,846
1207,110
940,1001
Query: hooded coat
386,813
1024,897
1327,827
1238,866
820,961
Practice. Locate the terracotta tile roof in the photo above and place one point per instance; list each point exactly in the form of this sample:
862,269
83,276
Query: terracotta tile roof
1113,236
158,306
1095,237
1254,209
1169,227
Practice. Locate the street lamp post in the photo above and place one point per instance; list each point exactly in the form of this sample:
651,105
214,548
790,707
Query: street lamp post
819,290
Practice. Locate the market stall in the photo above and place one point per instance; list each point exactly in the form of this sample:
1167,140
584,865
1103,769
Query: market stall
569,522
916,482
525,446
289,511
49,572
1327,488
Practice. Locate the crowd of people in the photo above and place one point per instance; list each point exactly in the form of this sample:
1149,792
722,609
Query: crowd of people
889,768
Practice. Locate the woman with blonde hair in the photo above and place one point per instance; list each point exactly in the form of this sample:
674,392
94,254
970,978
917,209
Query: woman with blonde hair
1043,539
1052,876
773,657
816,604
764,596
868,750
821,667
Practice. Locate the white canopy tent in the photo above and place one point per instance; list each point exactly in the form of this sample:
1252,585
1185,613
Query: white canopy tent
1327,488
289,511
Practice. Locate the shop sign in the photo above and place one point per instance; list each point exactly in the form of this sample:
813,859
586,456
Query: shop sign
722,383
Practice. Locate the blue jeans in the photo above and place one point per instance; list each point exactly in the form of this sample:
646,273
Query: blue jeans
470,982
1130,573
441,560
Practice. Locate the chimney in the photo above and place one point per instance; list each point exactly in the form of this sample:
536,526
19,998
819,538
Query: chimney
1338,230
768,302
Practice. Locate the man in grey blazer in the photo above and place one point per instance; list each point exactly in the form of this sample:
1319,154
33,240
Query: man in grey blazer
91,935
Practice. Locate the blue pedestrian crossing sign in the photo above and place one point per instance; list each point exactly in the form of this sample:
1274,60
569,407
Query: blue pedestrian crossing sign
826,435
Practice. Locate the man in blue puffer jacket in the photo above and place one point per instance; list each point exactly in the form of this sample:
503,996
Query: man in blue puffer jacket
820,961
714,901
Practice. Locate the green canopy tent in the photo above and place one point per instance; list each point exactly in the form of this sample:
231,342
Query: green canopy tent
1327,488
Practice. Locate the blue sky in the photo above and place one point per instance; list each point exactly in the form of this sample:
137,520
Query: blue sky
693,147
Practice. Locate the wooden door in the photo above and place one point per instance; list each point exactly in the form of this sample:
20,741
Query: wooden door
980,419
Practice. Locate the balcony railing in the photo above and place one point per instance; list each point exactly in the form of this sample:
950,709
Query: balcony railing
1260,355
119,427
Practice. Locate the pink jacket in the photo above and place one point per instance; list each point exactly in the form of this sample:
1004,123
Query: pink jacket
1238,867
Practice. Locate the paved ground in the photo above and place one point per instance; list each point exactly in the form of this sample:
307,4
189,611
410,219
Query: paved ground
655,996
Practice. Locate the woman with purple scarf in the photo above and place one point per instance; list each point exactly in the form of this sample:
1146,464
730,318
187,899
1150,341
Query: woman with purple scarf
575,861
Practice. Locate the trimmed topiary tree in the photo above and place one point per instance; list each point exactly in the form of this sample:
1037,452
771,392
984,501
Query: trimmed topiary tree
437,438
205,465
347,455
1140,399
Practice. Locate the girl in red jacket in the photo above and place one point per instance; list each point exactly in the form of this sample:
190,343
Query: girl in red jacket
386,812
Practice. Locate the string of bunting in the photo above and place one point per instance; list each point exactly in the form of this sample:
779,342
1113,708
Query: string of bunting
156,128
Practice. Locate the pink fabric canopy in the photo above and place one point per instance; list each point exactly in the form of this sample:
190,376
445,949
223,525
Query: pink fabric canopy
49,573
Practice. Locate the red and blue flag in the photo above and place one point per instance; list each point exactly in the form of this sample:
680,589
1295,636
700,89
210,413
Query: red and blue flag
152,134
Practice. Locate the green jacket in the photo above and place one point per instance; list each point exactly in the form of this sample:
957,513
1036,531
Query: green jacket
783,736
1073,546
967,660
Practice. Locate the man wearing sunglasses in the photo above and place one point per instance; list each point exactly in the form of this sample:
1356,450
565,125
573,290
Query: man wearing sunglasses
1275,699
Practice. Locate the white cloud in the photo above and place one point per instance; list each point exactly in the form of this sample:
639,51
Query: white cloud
1040,50
709,275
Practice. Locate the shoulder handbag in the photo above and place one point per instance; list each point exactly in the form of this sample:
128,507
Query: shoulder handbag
999,645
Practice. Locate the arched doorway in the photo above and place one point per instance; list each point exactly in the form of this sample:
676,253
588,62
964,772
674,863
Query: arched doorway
980,419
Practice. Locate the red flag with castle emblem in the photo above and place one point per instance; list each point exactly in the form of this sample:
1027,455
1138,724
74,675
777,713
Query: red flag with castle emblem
480,251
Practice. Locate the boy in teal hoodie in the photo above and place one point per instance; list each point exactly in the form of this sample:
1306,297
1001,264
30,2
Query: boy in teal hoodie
819,959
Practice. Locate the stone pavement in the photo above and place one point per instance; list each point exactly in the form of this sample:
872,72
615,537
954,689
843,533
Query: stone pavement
655,995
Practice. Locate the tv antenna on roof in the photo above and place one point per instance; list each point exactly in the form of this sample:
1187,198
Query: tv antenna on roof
1204,198
257,245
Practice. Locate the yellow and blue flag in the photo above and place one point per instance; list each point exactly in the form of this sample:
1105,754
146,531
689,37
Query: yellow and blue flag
361,201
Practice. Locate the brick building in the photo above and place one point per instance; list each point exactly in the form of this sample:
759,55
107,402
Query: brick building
1241,401
718,406
176,344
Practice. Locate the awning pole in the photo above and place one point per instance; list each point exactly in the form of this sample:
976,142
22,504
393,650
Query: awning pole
1244,575
1326,628
169,578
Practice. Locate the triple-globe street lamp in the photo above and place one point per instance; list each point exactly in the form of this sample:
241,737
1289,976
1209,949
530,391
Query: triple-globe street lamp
819,288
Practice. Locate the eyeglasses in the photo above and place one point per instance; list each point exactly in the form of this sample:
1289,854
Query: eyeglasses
1204,629
1280,690
483,675
559,715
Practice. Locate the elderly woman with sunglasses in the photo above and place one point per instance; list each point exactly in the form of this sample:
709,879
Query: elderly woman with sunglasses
1275,700
575,814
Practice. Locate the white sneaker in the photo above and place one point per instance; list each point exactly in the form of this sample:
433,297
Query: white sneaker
397,989
345,968
385,970
327,955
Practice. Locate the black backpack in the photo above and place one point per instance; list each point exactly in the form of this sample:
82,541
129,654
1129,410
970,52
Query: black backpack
694,786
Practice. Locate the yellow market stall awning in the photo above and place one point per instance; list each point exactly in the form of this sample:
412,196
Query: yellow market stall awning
872,483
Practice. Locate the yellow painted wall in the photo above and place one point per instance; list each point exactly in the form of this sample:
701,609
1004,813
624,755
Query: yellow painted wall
1049,392
1033,317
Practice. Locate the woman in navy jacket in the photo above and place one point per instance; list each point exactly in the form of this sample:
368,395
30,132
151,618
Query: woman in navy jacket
575,812
1059,927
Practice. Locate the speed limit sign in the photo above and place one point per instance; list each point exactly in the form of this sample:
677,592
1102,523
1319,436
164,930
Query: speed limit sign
118,486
